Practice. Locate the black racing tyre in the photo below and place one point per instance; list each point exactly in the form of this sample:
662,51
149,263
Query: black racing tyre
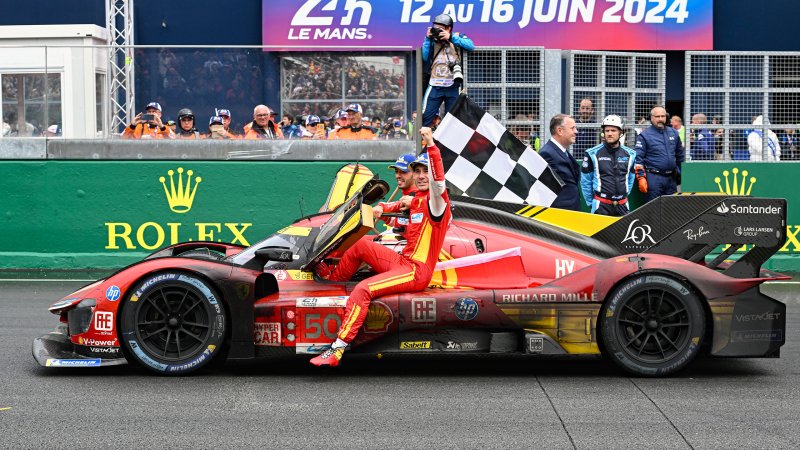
652,325
172,323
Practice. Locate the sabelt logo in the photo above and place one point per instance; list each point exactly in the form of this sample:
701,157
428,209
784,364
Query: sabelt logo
180,193
415,345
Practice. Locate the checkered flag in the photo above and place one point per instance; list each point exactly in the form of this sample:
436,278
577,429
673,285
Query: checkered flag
483,160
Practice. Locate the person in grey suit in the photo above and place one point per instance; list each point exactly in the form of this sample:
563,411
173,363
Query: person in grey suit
562,134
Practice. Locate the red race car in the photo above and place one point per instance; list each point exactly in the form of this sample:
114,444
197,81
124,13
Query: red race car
641,290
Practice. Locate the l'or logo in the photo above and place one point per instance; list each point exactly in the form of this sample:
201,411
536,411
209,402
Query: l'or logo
638,234
180,200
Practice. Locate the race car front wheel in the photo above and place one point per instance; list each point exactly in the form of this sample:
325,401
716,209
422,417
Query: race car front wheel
172,323
652,325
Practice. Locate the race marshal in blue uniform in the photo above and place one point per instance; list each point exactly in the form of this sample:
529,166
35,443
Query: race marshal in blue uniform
659,155
607,171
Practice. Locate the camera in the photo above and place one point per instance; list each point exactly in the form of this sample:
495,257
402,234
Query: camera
458,75
436,33
148,117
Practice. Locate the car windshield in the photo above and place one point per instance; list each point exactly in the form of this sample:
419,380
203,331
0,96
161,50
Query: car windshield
298,243
291,242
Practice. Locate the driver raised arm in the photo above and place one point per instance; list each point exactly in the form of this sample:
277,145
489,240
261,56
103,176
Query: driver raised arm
410,271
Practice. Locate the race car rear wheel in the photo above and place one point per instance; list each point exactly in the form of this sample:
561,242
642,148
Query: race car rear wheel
172,323
652,325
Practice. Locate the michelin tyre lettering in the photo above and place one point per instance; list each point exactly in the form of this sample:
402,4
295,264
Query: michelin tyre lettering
174,323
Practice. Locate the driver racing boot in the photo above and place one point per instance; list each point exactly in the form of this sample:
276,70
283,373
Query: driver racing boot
329,357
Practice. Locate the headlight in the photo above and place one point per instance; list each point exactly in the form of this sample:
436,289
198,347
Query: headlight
80,317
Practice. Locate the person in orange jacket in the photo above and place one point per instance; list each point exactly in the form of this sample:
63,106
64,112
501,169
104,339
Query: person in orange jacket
152,129
262,127
354,130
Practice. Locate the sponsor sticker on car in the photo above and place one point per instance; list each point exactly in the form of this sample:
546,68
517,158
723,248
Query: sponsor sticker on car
466,308
415,345
267,333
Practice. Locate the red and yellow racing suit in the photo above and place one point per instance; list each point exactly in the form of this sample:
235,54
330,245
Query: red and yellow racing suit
394,207
412,271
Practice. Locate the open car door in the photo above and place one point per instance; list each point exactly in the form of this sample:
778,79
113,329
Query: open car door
349,223
348,180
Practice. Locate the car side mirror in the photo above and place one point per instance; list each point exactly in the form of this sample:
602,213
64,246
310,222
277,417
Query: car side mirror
281,254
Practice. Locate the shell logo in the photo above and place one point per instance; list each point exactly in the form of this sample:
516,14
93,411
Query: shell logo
378,319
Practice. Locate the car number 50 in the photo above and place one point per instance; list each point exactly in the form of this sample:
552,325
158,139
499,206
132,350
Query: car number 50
316,325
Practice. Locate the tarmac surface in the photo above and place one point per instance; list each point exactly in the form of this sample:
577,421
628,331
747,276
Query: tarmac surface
394,402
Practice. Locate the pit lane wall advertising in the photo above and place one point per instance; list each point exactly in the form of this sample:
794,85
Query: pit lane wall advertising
771,180
108,214
356,25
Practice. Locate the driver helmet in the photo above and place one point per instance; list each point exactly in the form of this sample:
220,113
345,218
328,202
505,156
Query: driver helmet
613,120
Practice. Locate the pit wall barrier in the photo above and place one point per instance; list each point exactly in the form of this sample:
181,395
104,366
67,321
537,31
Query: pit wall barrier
79,210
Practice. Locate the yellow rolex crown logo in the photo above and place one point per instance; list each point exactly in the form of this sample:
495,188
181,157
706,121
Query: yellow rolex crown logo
738,188
180,199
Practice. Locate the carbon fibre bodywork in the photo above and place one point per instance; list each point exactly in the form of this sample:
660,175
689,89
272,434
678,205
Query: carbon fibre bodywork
571,265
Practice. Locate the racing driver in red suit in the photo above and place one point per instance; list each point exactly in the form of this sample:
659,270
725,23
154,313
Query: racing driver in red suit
411,271
405,183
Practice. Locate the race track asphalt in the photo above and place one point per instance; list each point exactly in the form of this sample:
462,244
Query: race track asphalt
463,402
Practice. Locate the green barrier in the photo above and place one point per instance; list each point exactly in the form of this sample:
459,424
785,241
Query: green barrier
107,214
772,180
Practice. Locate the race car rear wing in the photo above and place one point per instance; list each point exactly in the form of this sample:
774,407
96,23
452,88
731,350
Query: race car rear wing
693,226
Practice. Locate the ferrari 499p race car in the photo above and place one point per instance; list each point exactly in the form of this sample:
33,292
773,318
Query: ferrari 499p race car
644,290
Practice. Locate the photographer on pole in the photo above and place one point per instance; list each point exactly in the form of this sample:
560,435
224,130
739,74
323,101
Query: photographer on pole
441,56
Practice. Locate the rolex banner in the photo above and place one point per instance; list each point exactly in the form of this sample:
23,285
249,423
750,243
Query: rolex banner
108,214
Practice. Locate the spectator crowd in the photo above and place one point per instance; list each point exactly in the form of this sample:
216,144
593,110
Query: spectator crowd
348,123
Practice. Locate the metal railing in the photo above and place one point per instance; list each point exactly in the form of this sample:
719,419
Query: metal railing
621,83
746,103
